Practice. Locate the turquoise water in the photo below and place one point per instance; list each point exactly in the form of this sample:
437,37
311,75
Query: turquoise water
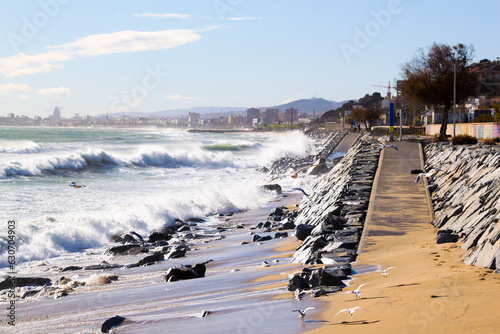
135,180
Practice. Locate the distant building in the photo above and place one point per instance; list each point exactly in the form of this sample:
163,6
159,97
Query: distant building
291,115
272,115
57,113
252,113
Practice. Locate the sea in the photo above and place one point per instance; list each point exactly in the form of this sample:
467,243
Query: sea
70,190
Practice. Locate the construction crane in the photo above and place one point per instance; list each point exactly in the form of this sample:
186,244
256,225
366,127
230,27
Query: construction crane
388,89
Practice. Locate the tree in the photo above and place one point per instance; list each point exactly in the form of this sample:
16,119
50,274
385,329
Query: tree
428,77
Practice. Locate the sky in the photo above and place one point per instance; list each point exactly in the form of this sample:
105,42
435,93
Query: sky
96,57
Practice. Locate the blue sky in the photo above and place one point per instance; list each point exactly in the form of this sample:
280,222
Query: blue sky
93,57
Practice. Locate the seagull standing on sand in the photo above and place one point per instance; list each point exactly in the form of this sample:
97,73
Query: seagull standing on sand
383,147
302,314
299,294
350,310
356,292
385,271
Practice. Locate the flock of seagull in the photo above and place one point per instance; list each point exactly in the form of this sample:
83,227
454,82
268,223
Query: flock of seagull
299,294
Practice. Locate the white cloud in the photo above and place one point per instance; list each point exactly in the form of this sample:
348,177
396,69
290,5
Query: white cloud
56,91
165,16
178,97
13,89
97,45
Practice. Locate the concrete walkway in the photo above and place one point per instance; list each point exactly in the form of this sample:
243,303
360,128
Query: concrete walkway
347,142
397,203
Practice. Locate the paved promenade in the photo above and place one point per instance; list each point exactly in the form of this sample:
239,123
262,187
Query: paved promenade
397,204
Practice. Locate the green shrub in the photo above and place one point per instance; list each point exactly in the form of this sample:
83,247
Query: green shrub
483,119
463,139
489,141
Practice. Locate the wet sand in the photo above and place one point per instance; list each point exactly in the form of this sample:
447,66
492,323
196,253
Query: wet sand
240,294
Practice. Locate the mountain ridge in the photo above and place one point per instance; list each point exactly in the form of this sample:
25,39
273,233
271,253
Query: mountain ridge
318,105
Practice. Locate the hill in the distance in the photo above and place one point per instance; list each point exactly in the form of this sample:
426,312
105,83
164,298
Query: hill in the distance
319,105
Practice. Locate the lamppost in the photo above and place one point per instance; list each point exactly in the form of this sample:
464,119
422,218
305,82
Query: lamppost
454,92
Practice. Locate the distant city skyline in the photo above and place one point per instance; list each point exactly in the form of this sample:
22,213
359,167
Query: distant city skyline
104,57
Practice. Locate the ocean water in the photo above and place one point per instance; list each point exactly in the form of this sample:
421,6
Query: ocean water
132,180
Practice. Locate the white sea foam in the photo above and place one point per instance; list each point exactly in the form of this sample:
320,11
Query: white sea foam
132,185
18,146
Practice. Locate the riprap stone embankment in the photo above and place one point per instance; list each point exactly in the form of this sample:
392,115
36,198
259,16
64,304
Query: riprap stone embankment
466,198
331,219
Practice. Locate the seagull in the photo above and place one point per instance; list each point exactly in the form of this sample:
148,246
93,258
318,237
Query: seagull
132,234
300,189
186,268
302,314
356,292
265,264
317,293
428,174
383,147
294,175
74,185
299,294
385,271
350,310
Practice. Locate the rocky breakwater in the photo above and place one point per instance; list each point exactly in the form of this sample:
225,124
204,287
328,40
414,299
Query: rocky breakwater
331,219
466,199
325,143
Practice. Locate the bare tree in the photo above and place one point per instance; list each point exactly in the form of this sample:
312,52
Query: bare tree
428,77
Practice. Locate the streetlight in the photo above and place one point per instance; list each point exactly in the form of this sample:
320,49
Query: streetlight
454,92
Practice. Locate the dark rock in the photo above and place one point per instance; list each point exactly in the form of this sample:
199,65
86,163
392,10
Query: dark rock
71,268
176,251
112,322
302,231
157,256
329,288
328,277
280,235
186,272
8,281
278,211
446,236
297,282
273,187
101,266
267,224
129,249
158,236
195,220
289,225
257,238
